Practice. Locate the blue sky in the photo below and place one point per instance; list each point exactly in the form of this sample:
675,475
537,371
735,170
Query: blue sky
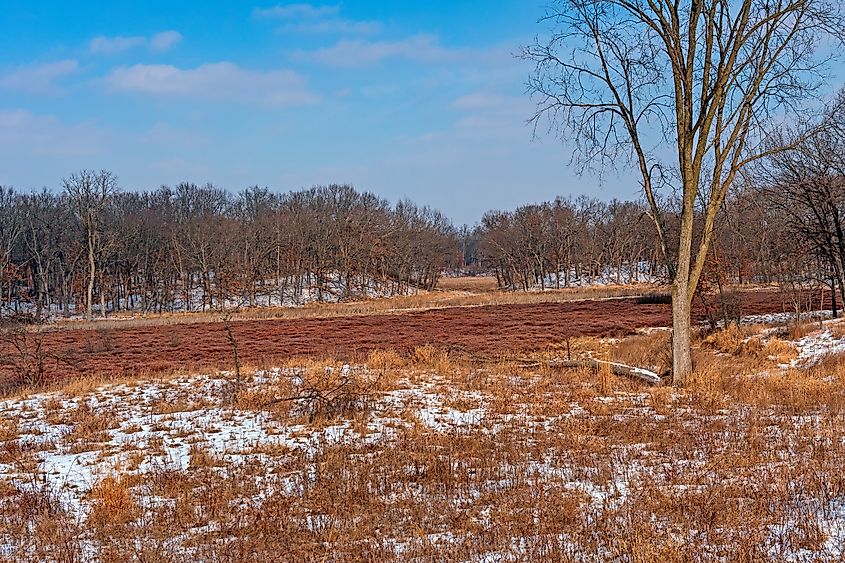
406,99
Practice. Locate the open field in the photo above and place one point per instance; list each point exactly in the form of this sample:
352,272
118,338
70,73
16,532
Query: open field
427,457
437,434
483,330
471,295
588,305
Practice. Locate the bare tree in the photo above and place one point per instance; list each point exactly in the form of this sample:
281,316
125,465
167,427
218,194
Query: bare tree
702,79
43,217
89,192
11,226
807,185
26,356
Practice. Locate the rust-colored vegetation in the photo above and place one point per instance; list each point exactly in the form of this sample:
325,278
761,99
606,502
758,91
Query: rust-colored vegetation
486,331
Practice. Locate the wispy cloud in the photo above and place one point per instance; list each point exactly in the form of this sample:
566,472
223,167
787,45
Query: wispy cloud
308,18
297,11
103,45
352,53
39,77
159,43
163,41
222,81
491,113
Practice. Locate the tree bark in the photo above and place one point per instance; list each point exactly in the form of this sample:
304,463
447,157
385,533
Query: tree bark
681,329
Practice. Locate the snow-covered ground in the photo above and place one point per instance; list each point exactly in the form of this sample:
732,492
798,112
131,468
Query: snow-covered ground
783,318
814,347
179,414
640,273
76,439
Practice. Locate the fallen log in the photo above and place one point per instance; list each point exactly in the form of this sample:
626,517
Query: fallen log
640,374
646,376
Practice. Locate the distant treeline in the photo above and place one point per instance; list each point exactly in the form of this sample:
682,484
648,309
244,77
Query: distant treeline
92,247
789,233
95,249
569,242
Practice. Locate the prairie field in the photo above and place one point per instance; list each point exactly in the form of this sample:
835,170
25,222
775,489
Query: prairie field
483,324
322,282
424,449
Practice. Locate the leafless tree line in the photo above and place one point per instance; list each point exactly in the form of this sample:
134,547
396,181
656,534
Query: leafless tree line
783,224
94,248
806,188
570,242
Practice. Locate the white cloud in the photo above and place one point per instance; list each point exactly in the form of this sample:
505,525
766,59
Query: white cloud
491,114
158,43
222,81
297,11
103,45
308,18
357,53
38,78
163,41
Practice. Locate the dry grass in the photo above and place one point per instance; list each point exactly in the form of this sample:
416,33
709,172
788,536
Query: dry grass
650,351
112,504
473,284
451,459
470,294
761,347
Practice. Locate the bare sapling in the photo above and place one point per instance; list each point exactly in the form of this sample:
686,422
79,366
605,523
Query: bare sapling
233,342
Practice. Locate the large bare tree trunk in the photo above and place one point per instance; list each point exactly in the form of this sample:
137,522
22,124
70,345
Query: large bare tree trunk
681,319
